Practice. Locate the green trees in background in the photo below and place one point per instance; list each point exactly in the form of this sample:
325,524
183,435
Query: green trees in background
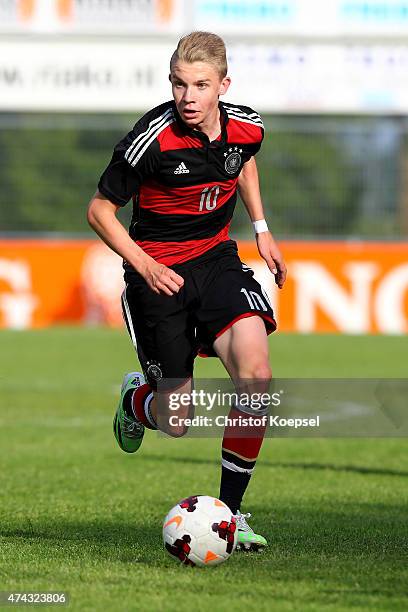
312,183
48,177
307,185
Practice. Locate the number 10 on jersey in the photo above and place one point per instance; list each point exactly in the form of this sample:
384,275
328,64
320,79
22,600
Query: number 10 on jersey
209,197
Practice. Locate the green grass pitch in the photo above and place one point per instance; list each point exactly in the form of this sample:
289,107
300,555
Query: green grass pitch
78,515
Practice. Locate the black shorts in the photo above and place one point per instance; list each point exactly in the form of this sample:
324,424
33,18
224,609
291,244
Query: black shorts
168,332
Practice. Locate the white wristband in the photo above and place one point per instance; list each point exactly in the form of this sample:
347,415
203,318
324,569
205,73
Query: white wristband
260,226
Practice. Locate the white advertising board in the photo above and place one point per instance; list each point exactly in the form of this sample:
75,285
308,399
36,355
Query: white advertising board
119,16
81,76
290,18
303,18
106,17
321,78
95,76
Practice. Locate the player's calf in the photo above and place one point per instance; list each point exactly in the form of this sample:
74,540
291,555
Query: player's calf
174,410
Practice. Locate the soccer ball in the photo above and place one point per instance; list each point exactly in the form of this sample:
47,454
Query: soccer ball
200,530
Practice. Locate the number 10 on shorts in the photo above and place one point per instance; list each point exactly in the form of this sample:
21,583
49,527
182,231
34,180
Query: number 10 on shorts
254,300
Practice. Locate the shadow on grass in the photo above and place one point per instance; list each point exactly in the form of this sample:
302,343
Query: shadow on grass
373,534
370,532
304,542
287,465
113,540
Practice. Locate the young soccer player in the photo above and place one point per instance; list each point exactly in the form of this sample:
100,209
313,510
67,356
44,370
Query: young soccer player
187,292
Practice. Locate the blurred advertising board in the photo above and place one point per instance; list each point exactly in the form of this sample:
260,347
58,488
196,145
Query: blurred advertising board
119,16
17,15
108,17
303,18
341,287
288,18
125,76
297,78
83,76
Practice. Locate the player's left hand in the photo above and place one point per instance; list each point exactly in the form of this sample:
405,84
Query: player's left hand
269,250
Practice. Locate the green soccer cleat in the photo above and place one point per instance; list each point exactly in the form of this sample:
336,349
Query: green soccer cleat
128,430
247,538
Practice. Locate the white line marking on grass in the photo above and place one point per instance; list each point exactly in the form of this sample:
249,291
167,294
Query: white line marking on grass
346,410
332,410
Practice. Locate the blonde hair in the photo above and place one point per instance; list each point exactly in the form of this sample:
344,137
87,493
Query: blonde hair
202,47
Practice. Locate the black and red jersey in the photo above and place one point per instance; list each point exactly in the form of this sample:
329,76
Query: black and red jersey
183,186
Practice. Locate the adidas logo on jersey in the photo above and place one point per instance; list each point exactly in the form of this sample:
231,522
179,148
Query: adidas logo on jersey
182,169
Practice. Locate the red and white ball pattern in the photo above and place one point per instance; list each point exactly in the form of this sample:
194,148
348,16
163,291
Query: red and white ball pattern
200,530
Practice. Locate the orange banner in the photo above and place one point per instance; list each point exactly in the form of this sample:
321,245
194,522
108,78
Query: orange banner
339,287
65,9
345,287
26,9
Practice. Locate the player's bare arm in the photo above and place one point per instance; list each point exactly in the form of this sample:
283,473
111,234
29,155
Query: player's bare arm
102,218
248,185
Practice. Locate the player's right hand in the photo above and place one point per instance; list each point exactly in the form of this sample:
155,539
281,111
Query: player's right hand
161,279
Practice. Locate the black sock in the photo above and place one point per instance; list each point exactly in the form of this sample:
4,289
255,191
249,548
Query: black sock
232,488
